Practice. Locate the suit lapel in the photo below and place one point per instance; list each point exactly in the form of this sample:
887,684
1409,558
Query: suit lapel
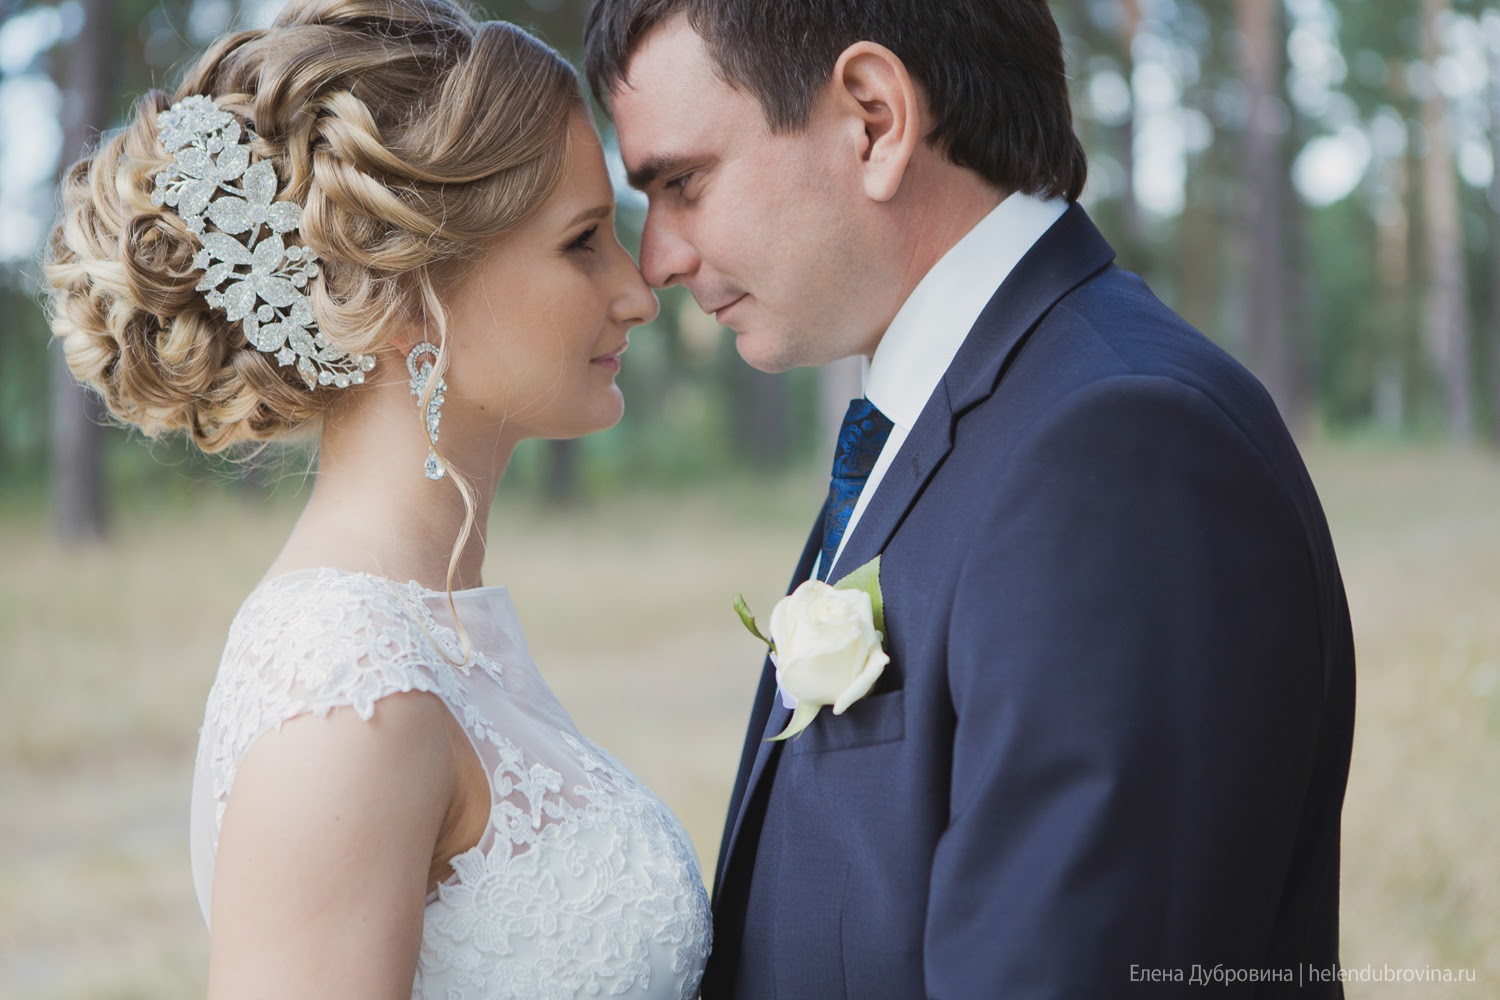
921,453
767,718
1067,255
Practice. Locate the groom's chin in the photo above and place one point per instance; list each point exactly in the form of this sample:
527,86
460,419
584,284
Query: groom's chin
765,352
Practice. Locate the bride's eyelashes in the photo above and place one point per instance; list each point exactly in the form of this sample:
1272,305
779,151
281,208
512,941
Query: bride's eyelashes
583,242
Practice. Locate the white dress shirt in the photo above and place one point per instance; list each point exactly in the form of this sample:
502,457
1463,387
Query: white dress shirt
933,323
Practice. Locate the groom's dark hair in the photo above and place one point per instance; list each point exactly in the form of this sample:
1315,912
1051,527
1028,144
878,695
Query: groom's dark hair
992,70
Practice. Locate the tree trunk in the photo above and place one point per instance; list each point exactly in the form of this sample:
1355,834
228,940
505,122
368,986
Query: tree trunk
1447,309
1206,230
1270,350
1494,67
759,426
1296,270
1393,255
1135,248
1112,37
560,484
77,436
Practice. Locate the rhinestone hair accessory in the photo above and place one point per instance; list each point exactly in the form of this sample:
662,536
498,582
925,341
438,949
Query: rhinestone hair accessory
420,365
257,280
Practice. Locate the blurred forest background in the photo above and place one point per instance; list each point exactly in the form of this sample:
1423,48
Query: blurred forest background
1310,182
1313,183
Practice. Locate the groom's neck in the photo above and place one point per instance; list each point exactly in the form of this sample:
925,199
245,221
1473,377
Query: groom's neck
938,205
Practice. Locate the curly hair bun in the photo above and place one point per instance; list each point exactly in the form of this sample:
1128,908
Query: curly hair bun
411,135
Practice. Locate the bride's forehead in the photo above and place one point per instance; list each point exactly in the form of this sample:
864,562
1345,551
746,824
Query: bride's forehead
586,178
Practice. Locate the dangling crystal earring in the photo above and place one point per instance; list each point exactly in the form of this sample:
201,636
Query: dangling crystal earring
421,374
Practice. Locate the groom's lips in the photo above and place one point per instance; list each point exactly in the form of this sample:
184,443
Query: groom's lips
721,310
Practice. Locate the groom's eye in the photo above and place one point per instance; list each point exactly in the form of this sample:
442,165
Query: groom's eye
678,184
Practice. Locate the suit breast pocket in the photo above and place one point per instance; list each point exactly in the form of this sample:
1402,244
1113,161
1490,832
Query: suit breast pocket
877,719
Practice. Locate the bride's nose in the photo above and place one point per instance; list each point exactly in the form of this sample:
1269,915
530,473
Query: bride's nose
635,303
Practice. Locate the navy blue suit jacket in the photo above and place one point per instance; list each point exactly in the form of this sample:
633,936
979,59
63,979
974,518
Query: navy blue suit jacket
1112,742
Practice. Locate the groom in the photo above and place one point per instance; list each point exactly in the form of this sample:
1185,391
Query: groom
1108,755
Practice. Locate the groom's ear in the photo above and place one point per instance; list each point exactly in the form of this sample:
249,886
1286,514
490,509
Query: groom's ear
873,85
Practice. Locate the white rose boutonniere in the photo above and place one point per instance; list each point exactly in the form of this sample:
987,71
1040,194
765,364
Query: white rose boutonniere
826,642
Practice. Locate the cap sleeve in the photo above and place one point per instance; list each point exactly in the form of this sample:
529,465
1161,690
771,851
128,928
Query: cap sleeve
310,643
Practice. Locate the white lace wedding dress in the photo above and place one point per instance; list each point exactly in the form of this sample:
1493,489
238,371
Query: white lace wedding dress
584,883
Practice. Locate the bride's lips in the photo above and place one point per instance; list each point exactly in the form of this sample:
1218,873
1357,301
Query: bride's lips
610,361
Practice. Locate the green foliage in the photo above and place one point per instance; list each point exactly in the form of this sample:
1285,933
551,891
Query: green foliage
695,413
23,383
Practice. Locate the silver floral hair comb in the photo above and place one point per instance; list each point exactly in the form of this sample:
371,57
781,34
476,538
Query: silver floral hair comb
256,280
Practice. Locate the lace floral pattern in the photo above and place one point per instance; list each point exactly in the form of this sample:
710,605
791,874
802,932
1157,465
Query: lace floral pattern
583,884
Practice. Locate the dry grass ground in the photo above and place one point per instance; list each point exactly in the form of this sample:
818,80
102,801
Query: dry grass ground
106,655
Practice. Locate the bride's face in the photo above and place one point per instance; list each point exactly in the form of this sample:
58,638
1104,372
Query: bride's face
538,325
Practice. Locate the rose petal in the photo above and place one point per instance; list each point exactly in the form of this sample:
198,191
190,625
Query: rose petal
874,667
818,679
827,649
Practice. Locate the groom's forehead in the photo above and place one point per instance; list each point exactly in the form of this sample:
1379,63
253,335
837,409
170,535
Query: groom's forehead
672,103
667,57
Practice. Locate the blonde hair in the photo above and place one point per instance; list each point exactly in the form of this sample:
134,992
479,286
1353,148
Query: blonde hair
413,136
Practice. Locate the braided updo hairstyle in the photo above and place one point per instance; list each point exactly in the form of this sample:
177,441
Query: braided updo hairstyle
412,136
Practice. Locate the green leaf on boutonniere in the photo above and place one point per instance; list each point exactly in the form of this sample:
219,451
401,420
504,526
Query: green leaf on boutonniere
802,717
743,610
866,578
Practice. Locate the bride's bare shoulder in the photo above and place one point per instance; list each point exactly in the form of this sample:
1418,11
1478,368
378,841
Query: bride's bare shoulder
327,844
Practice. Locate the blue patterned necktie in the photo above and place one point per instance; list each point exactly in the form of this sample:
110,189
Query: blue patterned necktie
861,437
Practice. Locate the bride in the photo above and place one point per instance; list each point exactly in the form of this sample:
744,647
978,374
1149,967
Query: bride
383,221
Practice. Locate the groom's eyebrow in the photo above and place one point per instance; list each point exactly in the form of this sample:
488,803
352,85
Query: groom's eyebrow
653,167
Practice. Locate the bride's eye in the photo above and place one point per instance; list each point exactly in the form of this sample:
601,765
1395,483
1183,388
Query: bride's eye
584,241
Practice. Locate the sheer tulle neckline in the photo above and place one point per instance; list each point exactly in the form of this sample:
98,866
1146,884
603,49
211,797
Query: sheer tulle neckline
332,572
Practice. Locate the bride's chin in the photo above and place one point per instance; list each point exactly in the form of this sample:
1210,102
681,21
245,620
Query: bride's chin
612,410
598,415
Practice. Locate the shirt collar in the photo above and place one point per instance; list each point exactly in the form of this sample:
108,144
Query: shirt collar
932,324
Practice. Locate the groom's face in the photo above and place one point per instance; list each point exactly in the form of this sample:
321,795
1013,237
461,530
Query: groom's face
770,232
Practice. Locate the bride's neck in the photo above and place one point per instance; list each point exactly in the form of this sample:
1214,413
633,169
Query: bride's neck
373,510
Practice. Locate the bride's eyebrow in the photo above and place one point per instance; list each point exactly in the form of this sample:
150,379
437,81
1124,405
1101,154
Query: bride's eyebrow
596,212
652,167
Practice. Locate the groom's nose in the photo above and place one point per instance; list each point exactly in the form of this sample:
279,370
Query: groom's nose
667,256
